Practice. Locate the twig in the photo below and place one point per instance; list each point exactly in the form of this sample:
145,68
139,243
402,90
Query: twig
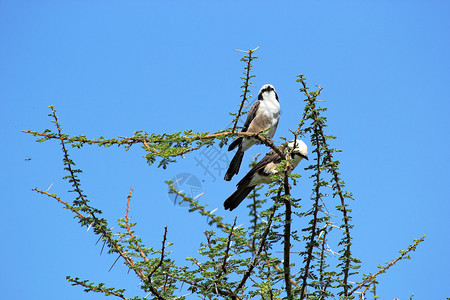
198,265
97,289
208,239
337,188
151,288
255,218
310,245
287,235
264,140
67,161
99,224
60,201
261,245
190,150
128,227
162,255
218,222
403,255
146,146
305,89
245,86
225,257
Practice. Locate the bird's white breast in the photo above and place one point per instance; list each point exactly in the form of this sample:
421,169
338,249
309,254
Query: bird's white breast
271,108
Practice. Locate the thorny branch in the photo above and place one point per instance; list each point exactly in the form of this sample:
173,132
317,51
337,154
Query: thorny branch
322,259
117,247
287,235
162,255
227,250
60,201
338,188
218,222
197,285
131,141
226,264
310,245
129,228
101,228
371,278
190,149
245,86
97,289
261,246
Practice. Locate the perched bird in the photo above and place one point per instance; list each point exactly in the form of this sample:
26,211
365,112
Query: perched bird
264,169
264,114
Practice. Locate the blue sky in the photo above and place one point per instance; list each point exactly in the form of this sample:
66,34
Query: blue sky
111,68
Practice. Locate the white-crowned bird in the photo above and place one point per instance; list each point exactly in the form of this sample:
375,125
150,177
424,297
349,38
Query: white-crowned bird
264,170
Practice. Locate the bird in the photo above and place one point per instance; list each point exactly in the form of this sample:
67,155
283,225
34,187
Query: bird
263,115
264,170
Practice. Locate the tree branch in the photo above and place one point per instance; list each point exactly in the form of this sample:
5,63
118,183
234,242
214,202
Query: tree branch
261,245
144,141
162,255
128,227
287,236
60,201
100,225
337,187
225,257
100,288
310,244
404,255
249,59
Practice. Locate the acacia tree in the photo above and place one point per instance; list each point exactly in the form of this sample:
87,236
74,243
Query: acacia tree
316,260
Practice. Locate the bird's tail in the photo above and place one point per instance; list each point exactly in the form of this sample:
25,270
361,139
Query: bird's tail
237,197
235,143
234,165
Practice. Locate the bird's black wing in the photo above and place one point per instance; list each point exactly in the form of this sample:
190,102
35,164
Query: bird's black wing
272,156
251,115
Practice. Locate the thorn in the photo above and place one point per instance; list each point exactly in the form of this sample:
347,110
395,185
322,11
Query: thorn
114,263
101,251
98,239
248,51
49,187
177,180
199,195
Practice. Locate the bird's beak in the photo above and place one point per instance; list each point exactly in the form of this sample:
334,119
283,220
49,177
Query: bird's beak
306,157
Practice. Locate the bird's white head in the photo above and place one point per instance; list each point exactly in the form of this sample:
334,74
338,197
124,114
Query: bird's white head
267,92
300,149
